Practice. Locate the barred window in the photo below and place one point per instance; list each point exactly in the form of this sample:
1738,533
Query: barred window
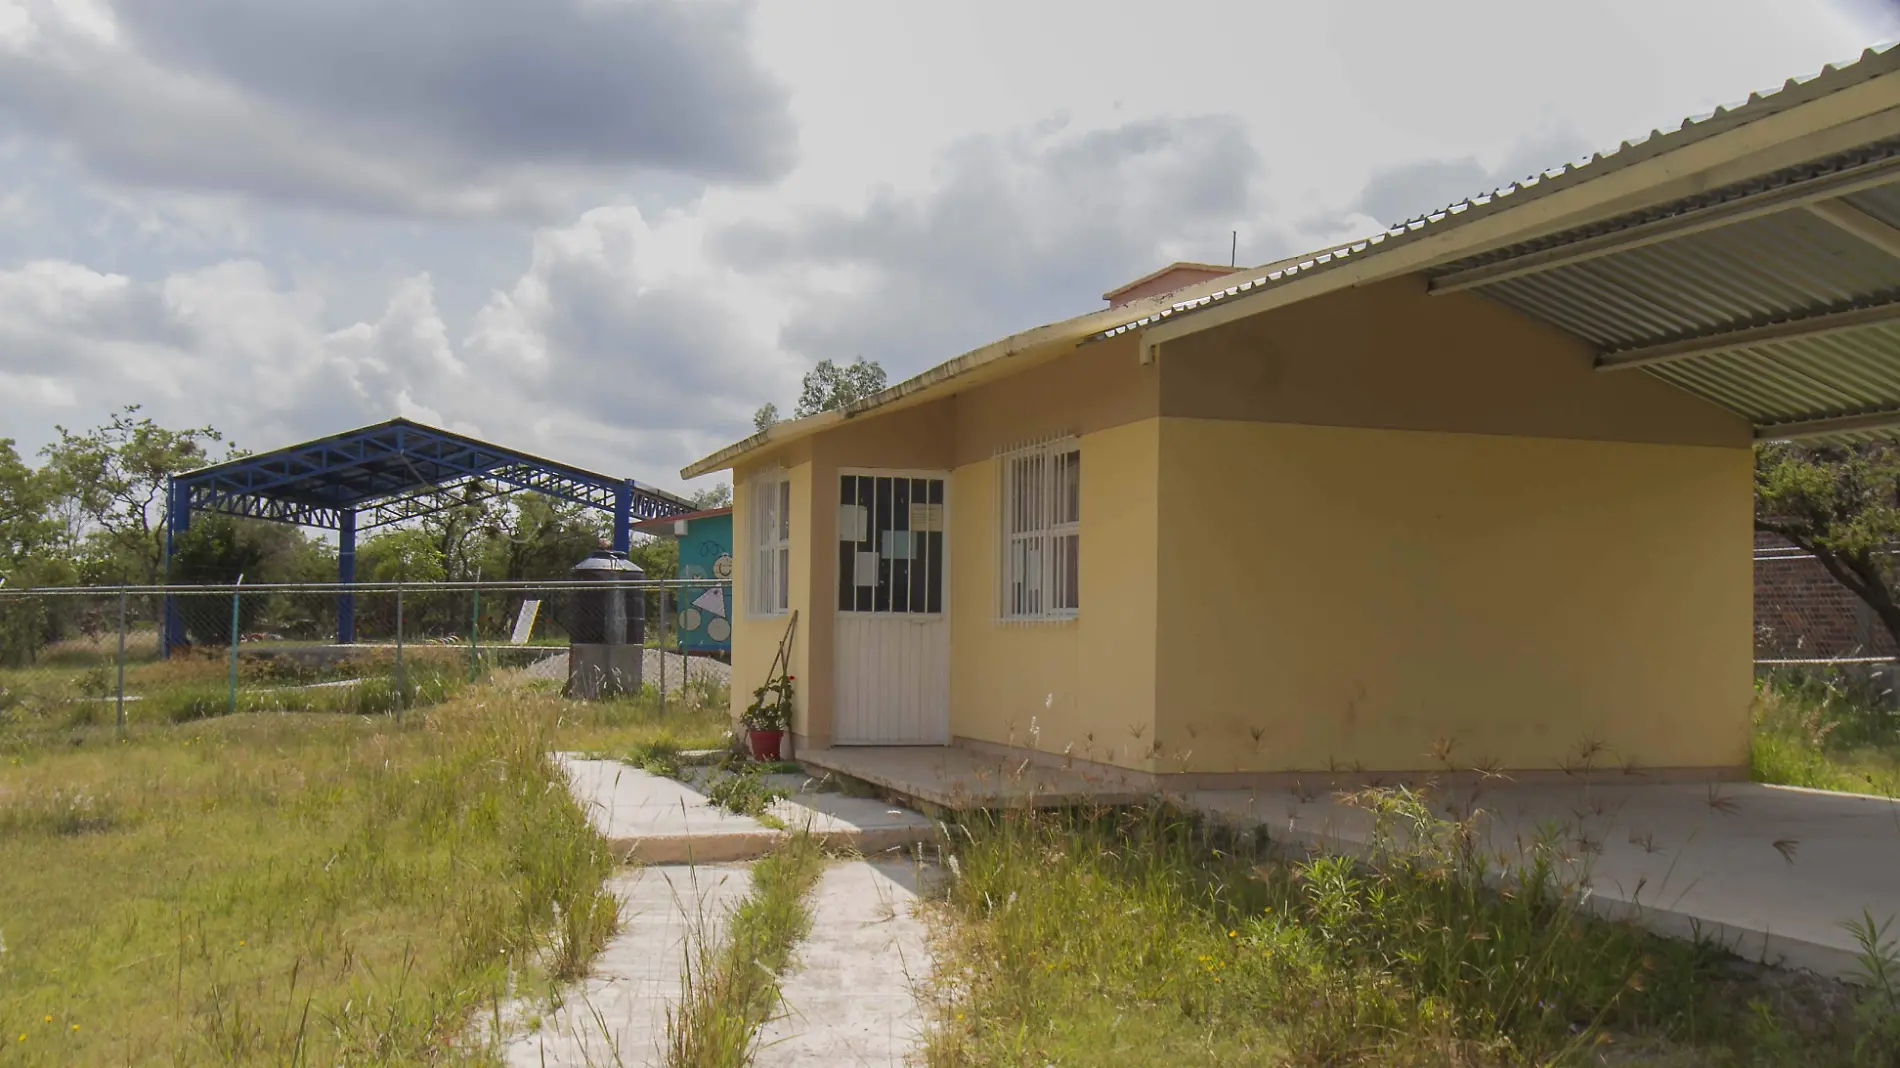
770,503
1041,512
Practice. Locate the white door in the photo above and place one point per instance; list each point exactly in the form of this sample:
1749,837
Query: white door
893,624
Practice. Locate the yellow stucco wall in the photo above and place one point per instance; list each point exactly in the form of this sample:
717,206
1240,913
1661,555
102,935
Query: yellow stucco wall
755,638
1356,527
1084,686
1392,355
1356,595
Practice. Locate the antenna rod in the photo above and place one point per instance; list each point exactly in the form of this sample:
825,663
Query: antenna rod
1233,254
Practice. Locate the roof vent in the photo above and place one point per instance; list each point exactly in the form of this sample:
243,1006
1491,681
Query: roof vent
1166,280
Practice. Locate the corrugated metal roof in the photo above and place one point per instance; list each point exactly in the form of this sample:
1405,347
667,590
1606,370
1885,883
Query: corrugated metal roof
1760,270
1788,266
1872,63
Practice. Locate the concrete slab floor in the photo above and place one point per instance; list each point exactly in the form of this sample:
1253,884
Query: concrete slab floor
956,777
617,1016
852,993
1773,872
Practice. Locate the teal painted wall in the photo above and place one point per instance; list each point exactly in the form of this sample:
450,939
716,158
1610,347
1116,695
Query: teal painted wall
705,612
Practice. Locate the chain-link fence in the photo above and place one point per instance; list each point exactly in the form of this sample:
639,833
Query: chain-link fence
147,654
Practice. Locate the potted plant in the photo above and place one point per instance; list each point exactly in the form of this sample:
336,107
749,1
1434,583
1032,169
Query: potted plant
767,717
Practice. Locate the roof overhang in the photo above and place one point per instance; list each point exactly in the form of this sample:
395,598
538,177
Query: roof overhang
1751,258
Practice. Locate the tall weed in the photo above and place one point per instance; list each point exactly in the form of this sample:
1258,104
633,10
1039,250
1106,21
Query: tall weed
1093,937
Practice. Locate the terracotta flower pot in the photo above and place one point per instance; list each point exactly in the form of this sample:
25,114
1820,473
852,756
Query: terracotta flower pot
765,745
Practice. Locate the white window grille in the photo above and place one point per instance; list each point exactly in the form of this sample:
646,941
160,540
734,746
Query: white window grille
771,508
1041,511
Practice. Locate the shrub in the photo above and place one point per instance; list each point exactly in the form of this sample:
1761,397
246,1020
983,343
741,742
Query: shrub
743,792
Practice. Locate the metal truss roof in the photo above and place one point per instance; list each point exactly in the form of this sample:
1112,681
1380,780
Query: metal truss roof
399,470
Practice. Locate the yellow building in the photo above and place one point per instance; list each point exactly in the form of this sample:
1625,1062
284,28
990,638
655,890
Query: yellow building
1474,491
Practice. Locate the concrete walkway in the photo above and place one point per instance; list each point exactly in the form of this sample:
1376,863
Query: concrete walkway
656,820
617,1016
851,996
1773,872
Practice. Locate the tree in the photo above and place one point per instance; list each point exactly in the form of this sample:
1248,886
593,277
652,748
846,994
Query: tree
533,536
28,536
28,529
716,497
658,557
400,554
826,387
1842,504
829,386
115,477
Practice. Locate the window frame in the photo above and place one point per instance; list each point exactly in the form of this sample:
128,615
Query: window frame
769,524
1039,532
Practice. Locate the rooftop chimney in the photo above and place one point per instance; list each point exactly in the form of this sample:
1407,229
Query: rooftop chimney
1166,280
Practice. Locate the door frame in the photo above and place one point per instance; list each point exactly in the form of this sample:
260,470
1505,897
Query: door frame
941,618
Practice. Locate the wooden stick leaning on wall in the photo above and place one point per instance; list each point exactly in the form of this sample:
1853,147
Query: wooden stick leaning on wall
782,665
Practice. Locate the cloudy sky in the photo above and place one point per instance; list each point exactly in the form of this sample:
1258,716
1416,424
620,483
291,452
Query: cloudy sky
607,230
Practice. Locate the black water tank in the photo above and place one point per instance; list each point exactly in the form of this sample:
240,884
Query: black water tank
610,615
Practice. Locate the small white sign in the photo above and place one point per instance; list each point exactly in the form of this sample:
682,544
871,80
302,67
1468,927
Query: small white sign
896,544
524,623
926,517
852,522
864,573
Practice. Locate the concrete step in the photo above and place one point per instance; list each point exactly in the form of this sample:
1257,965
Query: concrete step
651,819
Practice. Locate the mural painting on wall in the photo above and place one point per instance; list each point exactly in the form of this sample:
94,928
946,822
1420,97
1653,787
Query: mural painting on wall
705,620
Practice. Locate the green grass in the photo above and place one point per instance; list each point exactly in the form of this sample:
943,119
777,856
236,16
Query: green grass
731,984
307,888
1135,936
73,683
1825,731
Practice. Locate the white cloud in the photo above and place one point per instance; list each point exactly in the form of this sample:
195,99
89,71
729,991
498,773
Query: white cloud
589,355
431,107
962,172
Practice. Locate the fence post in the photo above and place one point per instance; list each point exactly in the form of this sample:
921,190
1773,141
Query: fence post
121,715
236,592
475,630
659,646
400,693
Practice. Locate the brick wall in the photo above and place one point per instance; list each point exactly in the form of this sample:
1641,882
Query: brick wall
1800,611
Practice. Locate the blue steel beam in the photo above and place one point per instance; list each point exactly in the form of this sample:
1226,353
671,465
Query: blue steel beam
623,519
177,522
346,575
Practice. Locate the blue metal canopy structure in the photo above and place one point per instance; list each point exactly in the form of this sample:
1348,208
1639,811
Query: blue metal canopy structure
386,473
